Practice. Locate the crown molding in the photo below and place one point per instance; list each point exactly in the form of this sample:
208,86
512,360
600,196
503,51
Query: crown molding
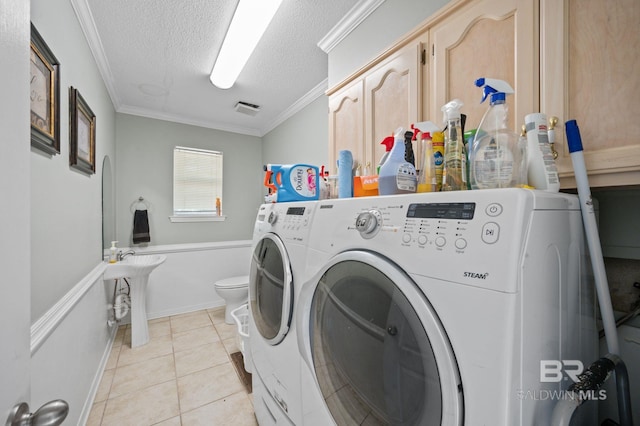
88,25
143,112
351,20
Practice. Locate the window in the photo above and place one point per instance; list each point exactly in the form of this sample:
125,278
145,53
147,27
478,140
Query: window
197,185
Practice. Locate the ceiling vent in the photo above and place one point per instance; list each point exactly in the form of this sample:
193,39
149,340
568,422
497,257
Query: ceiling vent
247,108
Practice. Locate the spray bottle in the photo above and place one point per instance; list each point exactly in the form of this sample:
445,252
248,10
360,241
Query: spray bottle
542,171
454,174
396,175
494,157
388,144
427,165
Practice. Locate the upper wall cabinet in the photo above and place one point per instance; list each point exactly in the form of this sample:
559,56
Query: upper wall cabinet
589,73
346,124
486,38
574,59
373,105
392,97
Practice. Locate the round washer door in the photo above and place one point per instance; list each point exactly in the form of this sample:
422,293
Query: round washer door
380,353
270,289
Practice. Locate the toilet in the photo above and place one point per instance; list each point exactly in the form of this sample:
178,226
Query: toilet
235,292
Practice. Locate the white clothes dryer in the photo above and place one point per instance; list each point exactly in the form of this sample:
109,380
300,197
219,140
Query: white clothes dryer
443,308
276,274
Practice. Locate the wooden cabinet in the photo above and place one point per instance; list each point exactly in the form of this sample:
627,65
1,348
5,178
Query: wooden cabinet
346,124
372,106
486,38
589,72
392,97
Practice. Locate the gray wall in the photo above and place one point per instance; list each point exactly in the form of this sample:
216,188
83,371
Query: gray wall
144,167
66,213
302,138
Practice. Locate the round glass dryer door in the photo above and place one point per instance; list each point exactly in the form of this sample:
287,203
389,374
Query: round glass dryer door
380,353
270,289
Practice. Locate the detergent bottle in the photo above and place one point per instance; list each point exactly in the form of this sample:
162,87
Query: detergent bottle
427,165
494,156
454,173
397,176
388,144
292,182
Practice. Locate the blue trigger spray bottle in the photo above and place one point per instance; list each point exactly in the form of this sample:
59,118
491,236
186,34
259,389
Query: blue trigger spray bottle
495,157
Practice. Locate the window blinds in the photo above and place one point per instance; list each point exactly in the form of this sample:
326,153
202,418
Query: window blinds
197,180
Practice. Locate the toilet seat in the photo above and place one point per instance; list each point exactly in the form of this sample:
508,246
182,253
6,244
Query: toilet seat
233,282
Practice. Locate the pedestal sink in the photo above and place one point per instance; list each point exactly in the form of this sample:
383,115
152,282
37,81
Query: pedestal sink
136,270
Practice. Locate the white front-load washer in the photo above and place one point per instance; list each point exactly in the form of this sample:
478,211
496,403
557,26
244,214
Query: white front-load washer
443,309
276,274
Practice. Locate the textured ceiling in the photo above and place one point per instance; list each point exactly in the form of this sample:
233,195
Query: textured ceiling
156,57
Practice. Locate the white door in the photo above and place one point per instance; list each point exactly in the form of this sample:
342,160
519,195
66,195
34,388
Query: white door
14,214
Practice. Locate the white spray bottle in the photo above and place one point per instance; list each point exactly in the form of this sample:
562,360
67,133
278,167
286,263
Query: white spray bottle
426,163
495,156
542,170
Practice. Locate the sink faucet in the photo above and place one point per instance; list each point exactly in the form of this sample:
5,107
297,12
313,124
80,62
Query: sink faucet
120,256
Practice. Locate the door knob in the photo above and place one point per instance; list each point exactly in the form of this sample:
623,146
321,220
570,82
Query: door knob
52,413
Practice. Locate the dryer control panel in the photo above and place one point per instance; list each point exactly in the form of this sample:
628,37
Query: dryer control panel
291,221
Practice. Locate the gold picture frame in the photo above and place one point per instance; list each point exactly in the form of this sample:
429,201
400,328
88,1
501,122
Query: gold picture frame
82,134
45,96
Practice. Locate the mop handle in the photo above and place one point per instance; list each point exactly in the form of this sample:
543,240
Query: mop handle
593,238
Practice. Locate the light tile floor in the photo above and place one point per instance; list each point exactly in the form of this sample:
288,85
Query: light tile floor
182,377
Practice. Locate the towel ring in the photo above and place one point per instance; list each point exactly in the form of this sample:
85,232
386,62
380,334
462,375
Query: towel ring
140,204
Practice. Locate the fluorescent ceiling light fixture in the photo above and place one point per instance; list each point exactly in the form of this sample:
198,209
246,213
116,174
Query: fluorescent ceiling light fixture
251,19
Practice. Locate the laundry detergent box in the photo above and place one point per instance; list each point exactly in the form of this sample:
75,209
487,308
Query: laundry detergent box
292,182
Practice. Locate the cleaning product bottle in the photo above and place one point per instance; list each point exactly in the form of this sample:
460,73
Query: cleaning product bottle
218,207
437,139
542,170
113,252
345,174
454,174
494,156
427,166
396,175
388,144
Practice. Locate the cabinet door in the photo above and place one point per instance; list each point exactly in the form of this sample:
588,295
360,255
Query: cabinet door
590,69
392,98
485,38
346,124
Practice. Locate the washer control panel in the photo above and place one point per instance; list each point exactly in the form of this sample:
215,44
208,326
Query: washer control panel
441,226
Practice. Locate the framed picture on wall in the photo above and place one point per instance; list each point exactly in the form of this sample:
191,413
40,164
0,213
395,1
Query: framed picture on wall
45,96
82,134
